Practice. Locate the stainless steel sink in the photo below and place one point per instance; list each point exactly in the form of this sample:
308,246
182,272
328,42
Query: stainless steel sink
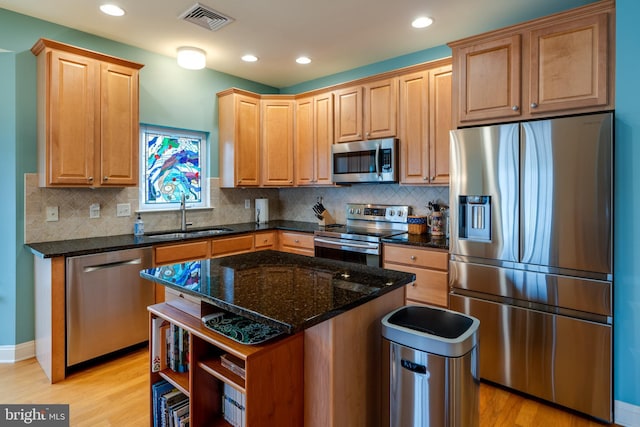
187,234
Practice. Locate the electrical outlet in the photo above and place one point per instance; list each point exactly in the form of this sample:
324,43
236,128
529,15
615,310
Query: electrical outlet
123,209
94,210
247,203
52,213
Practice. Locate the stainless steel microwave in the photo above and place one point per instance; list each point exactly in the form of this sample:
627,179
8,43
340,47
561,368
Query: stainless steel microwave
371,161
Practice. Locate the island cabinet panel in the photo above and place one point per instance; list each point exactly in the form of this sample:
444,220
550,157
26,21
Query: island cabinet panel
431,268
560,64
273,373
87,117
343,367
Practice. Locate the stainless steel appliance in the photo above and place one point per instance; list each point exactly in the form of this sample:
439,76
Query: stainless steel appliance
359,240
372,161
531,255
106,303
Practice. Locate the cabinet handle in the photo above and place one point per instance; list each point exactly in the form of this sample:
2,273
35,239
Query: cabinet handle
413,257
515,108
534,105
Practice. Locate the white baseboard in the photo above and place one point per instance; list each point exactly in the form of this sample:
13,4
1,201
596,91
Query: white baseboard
626,414
15,353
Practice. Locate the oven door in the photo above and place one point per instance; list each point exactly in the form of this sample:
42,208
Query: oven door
366,253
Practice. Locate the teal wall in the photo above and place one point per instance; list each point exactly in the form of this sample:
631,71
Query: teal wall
627,191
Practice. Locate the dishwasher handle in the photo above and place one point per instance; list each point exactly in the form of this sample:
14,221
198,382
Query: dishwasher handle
92,268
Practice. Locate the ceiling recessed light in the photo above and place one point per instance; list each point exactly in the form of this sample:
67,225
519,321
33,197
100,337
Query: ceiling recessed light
191,58
249,58
303,60
422,22
112,9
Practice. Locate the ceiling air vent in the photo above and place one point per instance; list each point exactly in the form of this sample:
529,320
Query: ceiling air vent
206,17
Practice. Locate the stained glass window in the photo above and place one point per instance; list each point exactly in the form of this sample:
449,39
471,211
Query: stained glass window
172,164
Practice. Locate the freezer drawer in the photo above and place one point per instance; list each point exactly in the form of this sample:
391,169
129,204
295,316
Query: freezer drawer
106,303
557,358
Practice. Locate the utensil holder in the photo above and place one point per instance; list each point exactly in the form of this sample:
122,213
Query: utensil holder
417,224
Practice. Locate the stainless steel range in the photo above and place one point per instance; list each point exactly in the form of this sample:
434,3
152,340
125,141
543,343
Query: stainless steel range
359,240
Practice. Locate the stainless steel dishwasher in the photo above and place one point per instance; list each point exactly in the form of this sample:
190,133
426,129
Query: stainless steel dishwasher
106,303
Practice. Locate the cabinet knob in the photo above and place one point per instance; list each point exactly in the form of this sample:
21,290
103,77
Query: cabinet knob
534,105
297,241
413,257
515,108
106,178
431,178
90,179
426,178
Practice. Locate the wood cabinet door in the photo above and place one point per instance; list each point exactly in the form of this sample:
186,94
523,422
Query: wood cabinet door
348,114
439,124
323,137
414,128
119,131
71,119
247,141
381,109
277,142
489,81
304,144
569,65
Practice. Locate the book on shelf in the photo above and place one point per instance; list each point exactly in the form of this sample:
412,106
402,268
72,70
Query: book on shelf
157,390
234,364
158,342
177,348
176,410
233,406
168,401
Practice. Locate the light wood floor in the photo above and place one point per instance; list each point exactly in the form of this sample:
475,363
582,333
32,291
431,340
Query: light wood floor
115,393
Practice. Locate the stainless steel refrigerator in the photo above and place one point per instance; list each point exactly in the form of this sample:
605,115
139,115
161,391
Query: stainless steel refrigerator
531,255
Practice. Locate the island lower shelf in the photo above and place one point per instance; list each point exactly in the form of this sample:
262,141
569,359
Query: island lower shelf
273,383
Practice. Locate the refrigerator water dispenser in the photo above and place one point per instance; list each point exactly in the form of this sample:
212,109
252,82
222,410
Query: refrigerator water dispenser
475,218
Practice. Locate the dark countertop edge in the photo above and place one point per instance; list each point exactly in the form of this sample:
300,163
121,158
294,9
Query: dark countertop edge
419,240
93,245
285,327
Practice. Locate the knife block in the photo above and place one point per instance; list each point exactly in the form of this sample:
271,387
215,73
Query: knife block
327,219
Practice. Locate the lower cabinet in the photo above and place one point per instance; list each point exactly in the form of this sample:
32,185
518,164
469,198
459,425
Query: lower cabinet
296,242
265,380
431,268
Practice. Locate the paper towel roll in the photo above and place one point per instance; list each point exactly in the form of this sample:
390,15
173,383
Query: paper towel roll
262,210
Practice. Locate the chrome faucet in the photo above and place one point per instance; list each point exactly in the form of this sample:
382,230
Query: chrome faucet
183,211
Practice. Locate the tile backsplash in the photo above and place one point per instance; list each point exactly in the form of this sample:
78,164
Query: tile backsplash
228,207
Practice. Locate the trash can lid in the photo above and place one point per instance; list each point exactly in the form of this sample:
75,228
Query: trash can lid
431,329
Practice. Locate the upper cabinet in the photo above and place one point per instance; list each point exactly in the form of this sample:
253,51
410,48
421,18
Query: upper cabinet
239,138
556,65
425,121
313,139
367,111
87,117
277,141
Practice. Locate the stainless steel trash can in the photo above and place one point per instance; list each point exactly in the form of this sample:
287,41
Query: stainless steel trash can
433,367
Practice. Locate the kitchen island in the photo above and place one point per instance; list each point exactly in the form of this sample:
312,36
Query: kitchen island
325,367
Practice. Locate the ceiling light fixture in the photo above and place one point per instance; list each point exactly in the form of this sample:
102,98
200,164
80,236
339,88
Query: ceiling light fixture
249,58
303,60
191,58
112,9
422,22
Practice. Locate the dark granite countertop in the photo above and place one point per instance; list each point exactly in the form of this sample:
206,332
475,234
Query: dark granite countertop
422,240
76,247
287,291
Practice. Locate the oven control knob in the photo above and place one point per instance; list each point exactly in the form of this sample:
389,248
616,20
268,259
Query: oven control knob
400,214
351,210
392,212
358,211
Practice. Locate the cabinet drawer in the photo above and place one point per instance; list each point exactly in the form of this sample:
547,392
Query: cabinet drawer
181,252
430,287
231,245
265,240
183,302
424,258
299,243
